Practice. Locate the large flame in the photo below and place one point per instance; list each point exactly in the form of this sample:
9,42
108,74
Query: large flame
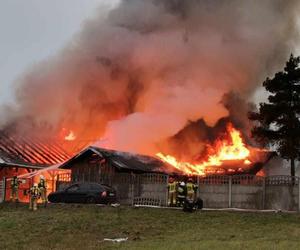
232,148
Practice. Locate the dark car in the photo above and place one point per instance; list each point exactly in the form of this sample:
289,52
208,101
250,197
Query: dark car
84,193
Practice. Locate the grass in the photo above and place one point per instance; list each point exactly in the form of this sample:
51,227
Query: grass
85,227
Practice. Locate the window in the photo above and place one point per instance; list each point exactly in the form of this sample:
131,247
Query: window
96,187
84,186
73,188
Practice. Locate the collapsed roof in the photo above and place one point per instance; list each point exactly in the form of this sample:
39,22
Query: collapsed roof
258,159
141,163
29,152
124,161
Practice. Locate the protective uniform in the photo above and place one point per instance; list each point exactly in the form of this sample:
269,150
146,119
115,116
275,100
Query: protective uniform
35,194
191,189
181,193
43,189
14,185
172,185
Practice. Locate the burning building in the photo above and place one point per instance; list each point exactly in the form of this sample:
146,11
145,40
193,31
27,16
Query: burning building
136,76
126,172
227,155
20,156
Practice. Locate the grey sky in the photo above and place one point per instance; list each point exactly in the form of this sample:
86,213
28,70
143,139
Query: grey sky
31,30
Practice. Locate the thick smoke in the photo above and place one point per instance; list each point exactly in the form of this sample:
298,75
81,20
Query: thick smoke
137,74
190,143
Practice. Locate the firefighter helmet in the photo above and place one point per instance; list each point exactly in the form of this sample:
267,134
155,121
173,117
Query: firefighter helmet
190,179
42,177
182,183
35,185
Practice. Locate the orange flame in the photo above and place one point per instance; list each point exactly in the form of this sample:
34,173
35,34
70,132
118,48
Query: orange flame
71,136
229,149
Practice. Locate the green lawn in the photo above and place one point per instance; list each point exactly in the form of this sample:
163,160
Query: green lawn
85,227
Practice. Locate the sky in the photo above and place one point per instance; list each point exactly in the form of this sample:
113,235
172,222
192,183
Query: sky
32,30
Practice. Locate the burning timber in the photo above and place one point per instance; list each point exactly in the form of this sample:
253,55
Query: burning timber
124,171
96,164
29,152
132,174
21,155
99,161
228,154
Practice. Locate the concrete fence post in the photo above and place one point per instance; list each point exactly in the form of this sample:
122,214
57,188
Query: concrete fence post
264,193
132,188
166,188
4,189
299,194
1,190
230,192
198,185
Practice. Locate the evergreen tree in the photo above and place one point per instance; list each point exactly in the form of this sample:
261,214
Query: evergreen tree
277,122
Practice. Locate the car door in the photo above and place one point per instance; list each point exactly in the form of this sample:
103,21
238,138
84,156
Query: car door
82,193
71,193
97,191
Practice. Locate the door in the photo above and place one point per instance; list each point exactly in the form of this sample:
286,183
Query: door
71,194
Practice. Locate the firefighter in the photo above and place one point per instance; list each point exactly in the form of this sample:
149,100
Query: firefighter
181,193
43,189
191,189
14,185
172,185
35,194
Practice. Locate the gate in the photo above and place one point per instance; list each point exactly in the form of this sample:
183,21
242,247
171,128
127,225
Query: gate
2,190
151,189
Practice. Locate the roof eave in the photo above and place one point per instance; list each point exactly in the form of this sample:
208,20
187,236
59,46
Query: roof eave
10,164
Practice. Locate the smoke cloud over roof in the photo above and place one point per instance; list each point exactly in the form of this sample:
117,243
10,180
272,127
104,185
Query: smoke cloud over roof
137,74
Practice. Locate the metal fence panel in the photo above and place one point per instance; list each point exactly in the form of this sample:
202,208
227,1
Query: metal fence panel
284,180
152,189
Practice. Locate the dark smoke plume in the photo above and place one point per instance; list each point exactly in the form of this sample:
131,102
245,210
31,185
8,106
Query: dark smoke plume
135,75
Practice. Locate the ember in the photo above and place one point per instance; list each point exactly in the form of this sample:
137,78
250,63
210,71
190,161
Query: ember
224,150
71,136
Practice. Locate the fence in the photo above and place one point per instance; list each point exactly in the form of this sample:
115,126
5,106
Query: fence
241,191
2,190
250,192
152,190
149,188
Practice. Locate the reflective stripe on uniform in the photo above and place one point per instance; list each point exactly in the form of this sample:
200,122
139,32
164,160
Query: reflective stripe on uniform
42,184
14,183
190,187
172,187
34,191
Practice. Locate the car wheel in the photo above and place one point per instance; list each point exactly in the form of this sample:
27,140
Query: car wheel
90,200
